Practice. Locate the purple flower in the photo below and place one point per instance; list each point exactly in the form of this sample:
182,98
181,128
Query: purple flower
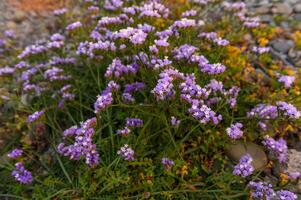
9,34
124,131
261,190
261,50
276,148
59,11
116,69
6,71
134,87
167,162
113,4
203,113
32,50
251,22
134,122
264,111
288,110
184,52
234,131
184,23
285,195
162,43
287,80
294,175
215,86
35,116
126,152
74,25
189,13
15,153
158,63
102,102
213,69
57,37
244,168
190,90
138,37
21,174
153,9
174,121
83,146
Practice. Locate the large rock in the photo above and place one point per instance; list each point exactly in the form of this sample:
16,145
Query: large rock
297,8
282,8
282,45
237,150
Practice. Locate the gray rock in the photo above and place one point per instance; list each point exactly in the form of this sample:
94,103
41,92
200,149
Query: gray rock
263,9
298,17
266,18
294,161
282,8
297,8
282,45
237,150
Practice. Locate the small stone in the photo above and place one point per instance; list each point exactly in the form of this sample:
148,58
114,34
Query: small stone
282,45
237,150
298,17
297,8
19,16
266,18
282,8
263,10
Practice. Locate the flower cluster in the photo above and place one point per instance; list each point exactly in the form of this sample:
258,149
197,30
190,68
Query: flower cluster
116,69
288,110
126,152
129,89
212,36
106,98
174,121
287,80
167,162
260,50
244,168
285,195
16,153
261,190
35,116
133,122
234,131
277,148
21,174
83,146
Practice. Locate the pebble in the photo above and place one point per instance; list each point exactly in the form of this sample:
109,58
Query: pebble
263,10
282,8
19,16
